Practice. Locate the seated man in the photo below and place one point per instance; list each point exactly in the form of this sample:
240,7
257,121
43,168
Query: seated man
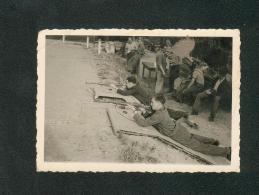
165,125
197,83
220,91
132,88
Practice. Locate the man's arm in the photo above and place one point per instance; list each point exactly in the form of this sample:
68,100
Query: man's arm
162,70
126,92
194,77
141,121
191,83
190,123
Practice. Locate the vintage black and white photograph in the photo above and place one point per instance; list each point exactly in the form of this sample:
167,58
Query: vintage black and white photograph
138,100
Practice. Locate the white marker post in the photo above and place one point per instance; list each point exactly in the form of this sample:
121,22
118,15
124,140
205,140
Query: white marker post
63,38
99,46
87,42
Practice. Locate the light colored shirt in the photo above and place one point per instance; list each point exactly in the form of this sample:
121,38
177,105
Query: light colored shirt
198,76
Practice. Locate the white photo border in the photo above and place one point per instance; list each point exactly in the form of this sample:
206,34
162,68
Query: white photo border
140,167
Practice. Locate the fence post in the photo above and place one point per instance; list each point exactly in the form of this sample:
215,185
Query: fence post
99,46
87,42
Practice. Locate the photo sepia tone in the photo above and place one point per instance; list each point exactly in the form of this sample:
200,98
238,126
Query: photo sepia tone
138,100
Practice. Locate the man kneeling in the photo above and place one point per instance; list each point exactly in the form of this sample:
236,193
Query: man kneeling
161,120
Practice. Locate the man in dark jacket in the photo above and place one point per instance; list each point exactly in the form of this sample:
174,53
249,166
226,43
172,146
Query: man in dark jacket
132,88
220,91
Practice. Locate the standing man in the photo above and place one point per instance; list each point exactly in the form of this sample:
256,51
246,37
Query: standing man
141,46
160,70
130,49
135,59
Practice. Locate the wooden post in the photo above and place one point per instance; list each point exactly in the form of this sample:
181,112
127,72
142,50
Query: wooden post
113,124
87,42
99,46
63,38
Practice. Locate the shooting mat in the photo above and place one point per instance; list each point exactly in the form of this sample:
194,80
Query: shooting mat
122,122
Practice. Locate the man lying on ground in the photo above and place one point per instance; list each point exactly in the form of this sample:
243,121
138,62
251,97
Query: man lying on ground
175,130
133,88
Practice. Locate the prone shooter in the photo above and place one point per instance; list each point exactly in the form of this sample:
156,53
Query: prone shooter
132,88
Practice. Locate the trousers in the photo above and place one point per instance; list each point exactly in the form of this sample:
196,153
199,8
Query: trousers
214,106
196,142
176,114
193,90
159,88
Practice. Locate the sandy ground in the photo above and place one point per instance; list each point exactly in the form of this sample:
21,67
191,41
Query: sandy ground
77,129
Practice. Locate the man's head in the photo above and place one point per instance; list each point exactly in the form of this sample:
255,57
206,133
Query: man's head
202,66
157,102
159,47
131,82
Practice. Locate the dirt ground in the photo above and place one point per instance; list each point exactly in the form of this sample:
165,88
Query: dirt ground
77,129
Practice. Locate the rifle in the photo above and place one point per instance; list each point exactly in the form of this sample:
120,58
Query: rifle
104,84
134,104
148,110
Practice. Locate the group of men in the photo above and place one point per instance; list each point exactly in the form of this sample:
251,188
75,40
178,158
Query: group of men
168,121
191,84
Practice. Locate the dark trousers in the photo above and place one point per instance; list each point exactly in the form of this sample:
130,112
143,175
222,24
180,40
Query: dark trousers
179,91
190,92
204,145
160,80
197,143
129,57
193,90
214,106
177,114
173,74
